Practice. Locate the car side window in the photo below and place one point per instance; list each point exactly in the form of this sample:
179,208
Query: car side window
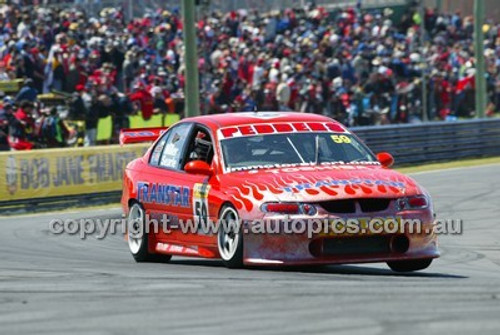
156,154
174,146
200,147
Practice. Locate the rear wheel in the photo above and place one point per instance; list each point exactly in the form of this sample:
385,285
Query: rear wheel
230,238
410,266
137,237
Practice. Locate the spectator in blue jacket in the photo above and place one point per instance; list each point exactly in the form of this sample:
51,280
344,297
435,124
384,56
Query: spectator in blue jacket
28,92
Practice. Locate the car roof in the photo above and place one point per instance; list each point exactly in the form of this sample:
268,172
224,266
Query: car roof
217,121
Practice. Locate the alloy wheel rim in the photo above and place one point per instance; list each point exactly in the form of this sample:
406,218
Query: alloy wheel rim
228,236
135,221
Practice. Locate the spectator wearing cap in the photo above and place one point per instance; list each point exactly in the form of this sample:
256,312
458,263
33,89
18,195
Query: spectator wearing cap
38,67
283,93
28,60
73,77
258,73
121,110
100,107
160,106
58,74
115,55
143,100
3,72
130,66
216,100
77,108
91,119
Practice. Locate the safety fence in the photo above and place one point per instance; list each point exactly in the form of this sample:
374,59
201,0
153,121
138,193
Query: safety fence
434,142
62,175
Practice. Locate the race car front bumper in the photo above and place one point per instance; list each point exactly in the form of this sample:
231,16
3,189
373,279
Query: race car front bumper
292,248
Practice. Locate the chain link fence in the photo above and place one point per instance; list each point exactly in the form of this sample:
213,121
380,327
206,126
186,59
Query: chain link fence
466,7
139,8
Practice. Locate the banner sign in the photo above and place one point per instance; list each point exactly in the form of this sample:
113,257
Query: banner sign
11,86
60,172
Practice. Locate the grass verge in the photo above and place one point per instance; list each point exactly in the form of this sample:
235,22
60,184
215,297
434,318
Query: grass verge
449,165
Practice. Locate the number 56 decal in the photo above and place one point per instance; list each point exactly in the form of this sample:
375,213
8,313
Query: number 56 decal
200,206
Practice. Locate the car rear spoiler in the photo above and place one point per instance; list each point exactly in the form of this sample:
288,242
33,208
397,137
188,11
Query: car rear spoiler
140,135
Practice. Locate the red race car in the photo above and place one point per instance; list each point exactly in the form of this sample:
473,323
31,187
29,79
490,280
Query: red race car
272,188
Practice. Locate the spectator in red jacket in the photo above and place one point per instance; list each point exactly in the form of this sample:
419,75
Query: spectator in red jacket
144,100
21,127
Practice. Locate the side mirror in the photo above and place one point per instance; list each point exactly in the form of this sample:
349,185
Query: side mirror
385,159
198,167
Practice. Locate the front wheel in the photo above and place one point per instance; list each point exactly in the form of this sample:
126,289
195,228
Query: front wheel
410,266
137,237
230,238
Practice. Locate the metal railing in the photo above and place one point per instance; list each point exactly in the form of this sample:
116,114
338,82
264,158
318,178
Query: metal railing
434,141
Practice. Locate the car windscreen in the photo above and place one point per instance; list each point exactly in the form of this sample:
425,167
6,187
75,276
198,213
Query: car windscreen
294,148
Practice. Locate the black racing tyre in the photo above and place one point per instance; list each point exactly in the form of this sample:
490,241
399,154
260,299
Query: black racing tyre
410,266
230,238
138,238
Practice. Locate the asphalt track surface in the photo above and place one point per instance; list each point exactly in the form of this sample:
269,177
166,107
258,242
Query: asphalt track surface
64,285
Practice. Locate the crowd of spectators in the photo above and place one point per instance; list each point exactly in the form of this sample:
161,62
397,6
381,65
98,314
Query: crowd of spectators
360,67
